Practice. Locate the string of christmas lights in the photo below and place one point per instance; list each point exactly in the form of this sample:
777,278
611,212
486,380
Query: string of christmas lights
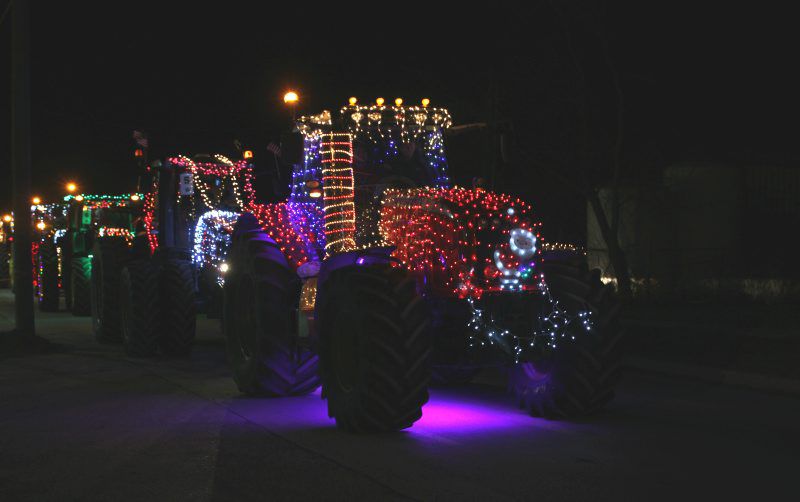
103,200
212,237
436,158
462,238
116,232
379,121
219,185
275,220
554,326
338,196
215,181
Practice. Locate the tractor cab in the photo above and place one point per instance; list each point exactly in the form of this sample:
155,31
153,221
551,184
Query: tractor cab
389,146
355,155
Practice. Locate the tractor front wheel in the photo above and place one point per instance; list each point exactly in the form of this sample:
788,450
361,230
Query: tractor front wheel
260,301
178,307
375,348
580,376
139,308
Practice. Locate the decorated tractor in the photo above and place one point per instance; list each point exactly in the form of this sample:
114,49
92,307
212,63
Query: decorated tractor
376,277
49,227
66,237
189,213
109,225
89,219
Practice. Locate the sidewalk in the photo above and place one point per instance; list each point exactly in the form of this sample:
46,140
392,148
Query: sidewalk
750,345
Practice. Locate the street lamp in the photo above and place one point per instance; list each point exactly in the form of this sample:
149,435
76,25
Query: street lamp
291,98
71,187
36,201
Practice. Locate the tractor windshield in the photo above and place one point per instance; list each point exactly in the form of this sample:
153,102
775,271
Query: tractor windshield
392,163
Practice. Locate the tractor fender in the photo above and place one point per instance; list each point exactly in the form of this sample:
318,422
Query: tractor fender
371,256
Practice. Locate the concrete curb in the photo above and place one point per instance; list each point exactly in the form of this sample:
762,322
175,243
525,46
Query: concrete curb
754,381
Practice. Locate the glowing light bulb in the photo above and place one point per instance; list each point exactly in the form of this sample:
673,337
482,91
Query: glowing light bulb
79,198
353,101
134,197
290,97
398,102
380,101
71,187
223,267
40,225
36,200
426,102
7,218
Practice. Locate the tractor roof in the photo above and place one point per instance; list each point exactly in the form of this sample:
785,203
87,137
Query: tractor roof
395,120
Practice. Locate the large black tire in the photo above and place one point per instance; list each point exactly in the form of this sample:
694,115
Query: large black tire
580,376
80,286
178,309
375,348
139,308
47,280
109,256
260,300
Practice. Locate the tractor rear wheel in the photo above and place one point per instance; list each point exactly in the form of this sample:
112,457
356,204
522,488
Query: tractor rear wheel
261,296
375,348
80,285
48,277
139,308
580,376
176,290
108,258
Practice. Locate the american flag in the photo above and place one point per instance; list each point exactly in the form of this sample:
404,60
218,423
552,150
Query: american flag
141,139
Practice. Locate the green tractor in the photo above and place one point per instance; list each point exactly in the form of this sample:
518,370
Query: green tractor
90,223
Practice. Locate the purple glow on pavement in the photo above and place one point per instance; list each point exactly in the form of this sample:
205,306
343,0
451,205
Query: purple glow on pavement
471,411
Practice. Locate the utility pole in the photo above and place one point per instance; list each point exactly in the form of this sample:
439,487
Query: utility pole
21,164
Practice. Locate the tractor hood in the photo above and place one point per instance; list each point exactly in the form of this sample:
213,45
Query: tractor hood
464,242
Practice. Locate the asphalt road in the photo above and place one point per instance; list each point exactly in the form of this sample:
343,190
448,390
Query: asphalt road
87,423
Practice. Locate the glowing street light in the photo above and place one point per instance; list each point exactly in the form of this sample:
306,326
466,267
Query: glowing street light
7,218
290,97
71,187
40,225
36,201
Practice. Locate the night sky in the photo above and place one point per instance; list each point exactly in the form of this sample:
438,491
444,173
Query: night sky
698,84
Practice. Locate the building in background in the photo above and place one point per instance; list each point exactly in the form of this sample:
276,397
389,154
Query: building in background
708,230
